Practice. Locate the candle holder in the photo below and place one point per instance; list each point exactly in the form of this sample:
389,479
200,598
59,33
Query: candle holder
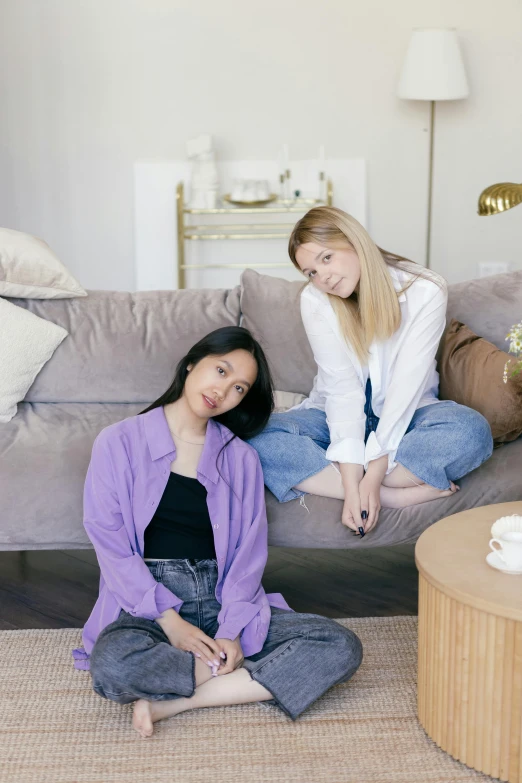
323,192
282,187
288,185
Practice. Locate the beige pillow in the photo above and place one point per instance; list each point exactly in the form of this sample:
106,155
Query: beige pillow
29,269
285,400
27,342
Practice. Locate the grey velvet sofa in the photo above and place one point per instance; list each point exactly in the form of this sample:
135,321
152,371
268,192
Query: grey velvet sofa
120,355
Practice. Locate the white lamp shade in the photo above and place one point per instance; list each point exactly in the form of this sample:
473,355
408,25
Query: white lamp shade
433,69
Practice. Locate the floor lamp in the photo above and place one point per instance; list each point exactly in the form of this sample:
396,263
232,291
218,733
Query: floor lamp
433,71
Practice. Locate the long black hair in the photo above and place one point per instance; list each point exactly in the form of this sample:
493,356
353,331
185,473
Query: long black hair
251,415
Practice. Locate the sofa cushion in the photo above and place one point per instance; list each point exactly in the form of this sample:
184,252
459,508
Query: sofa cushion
271,310
124,347
26,344
30,269
45,451
489,305
44,454
472,373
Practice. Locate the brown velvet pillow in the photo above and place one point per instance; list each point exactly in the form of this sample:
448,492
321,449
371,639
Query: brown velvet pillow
471,373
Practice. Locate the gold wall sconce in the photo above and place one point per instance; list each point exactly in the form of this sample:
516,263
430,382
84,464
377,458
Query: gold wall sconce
499,198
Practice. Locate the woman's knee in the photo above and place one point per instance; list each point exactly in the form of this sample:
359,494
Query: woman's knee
477,433
349,647
345,647
110,678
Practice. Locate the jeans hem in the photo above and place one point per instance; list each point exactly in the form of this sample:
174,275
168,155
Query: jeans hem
297,492
431,484
255,668
417,475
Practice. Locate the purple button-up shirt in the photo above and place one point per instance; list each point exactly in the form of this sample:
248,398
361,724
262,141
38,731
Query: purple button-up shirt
128,473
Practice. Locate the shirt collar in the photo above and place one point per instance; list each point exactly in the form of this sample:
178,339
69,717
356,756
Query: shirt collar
161,444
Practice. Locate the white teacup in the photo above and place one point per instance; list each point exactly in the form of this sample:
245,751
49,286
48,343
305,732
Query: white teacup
510,549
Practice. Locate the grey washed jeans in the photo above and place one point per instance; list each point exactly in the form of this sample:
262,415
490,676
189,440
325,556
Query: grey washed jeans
303,656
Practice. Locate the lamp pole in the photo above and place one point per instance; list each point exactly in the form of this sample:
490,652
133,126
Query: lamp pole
430,182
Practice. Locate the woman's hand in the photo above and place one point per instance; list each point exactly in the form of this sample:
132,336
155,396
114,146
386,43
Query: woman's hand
234,653
185,636
351,516
370,498
351,475
370,491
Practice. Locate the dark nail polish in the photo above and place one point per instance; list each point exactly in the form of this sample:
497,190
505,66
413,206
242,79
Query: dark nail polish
364,515
361,532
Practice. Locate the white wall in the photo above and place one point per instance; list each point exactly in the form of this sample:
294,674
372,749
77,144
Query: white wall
89,86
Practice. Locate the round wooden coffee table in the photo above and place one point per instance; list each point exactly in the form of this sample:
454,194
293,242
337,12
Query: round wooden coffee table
470,644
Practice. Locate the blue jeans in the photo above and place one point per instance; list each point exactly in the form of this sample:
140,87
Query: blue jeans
444,442
303,656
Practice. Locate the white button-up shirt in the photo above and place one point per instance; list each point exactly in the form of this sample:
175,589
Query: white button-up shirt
402,370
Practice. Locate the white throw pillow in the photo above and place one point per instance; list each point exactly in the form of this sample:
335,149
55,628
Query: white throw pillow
285,400
29,269
27,342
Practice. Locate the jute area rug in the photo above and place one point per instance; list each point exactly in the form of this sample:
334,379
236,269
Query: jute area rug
55,729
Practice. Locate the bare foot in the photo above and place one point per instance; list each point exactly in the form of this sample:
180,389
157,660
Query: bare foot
146,713
392,497
142,720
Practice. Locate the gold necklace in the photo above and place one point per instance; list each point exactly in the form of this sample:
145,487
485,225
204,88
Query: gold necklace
191,442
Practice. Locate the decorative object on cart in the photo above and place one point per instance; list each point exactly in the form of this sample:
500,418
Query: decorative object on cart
221,231
205,180
285,177
433,71
286,174
156,206
499,198
250,193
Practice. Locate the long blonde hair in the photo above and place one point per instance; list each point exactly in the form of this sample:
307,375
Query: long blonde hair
372,311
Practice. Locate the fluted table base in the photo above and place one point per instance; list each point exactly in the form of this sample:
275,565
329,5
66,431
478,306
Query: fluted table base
470,682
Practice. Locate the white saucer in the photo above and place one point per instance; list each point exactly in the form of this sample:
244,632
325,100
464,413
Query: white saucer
495,562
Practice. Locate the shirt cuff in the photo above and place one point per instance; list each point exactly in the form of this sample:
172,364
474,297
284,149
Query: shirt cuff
374,450
227,632
346,450
165,599
238,619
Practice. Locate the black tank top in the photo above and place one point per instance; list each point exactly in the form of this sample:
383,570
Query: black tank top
181,526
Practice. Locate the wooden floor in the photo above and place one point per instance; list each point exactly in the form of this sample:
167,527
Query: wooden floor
57,589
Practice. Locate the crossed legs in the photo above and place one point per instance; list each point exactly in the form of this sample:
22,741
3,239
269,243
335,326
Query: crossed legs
399,489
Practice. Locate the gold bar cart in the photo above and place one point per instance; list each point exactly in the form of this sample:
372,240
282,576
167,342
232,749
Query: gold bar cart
188,232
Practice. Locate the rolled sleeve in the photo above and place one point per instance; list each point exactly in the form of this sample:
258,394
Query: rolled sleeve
123,570
238,616
374,450
346,450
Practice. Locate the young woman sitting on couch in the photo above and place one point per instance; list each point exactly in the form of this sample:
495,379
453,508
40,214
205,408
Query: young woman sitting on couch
175,509
372,431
